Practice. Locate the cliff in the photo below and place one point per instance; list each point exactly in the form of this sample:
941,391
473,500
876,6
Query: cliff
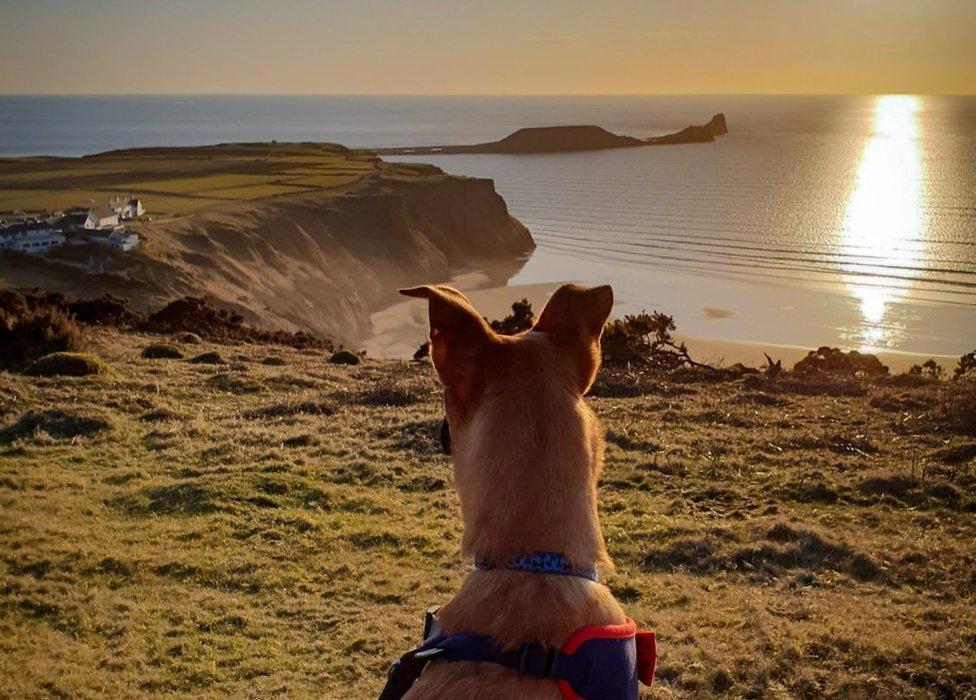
318,260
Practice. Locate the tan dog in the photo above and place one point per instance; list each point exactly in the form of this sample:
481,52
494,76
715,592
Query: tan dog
527,455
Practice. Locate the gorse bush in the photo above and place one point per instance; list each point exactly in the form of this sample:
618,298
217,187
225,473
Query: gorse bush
521,319
30,328
966,369
645,339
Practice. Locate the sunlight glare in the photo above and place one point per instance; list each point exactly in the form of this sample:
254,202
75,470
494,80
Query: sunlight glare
883,226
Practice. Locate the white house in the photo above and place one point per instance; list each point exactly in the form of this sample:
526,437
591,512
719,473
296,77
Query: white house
31,237
127,207
117,238
101,218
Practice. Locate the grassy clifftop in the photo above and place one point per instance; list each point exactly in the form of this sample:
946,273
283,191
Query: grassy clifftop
291,236
272,523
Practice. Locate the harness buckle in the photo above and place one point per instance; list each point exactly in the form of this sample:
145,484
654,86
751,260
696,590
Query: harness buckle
549,670
548,667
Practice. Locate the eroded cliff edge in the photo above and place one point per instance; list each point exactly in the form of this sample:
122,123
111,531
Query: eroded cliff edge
320,260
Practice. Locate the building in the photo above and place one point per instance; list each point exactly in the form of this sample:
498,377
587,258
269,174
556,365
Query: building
101,218
127,207
118,238
29,237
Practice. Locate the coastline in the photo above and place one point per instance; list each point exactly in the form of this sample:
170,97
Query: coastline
400,329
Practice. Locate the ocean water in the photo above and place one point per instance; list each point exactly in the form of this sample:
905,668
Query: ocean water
818,220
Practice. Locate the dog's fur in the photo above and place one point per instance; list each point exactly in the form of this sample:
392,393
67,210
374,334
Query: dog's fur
527,455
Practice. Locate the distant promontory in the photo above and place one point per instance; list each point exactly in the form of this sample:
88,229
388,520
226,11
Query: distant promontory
565,139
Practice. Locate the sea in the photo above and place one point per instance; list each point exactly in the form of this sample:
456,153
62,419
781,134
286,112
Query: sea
818,220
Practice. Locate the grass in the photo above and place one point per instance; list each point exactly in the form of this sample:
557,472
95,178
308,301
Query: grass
258,529
178,181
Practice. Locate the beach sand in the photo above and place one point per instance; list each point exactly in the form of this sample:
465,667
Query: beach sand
400,329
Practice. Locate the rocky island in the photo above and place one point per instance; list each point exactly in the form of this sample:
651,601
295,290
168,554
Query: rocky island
291,236
565,139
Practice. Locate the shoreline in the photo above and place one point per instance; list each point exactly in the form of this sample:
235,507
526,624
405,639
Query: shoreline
400,329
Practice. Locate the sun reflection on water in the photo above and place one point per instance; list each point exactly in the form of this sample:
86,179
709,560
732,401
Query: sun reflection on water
883,226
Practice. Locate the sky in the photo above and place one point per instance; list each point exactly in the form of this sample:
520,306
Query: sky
488,47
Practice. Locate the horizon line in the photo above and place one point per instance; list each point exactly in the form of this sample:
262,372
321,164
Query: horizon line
481,94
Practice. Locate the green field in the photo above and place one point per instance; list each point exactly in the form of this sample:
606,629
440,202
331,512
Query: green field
254,529
180,180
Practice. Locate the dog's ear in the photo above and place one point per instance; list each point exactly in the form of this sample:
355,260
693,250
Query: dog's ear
574,319
459,337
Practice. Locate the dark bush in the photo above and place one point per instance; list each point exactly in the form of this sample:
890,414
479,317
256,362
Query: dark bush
957,407
344,357
825,361
645,340
199,315
521,319
930,369
31,327
966,369
106,311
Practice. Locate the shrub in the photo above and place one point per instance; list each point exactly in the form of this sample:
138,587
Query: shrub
199,315
930,369
957,407
521,319
966,369
344,357
162,351
826,361
645,339
32,327
106,311
69,364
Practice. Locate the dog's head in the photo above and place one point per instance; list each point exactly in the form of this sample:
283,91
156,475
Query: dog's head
562,347
521,434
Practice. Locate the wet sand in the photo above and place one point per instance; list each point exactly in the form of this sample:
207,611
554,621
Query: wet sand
400,329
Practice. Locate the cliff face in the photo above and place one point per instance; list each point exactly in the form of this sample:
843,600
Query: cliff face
317,262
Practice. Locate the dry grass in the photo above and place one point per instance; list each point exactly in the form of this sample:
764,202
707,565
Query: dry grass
178,181
257,529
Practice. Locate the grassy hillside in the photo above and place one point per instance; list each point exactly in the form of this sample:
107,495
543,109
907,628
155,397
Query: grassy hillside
181,180
276,525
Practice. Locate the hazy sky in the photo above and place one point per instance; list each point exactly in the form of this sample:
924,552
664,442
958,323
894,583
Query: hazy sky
467,46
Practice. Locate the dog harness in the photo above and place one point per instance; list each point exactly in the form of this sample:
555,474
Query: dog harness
597,662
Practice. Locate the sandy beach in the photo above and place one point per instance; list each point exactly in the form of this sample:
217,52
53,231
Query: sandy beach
400,329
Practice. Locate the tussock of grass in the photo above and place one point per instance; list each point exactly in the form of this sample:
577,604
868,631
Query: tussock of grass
67,364
57,423
166,351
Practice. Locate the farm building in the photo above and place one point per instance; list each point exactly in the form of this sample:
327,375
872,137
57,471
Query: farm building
29,237
104,217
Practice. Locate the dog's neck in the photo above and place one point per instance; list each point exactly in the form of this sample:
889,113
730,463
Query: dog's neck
527,478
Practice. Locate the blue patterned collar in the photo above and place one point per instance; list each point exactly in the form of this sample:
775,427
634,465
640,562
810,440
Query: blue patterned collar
542,563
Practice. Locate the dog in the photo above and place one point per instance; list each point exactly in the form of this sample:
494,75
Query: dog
527,454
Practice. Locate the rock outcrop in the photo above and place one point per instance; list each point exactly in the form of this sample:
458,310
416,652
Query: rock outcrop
566,139
694,134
